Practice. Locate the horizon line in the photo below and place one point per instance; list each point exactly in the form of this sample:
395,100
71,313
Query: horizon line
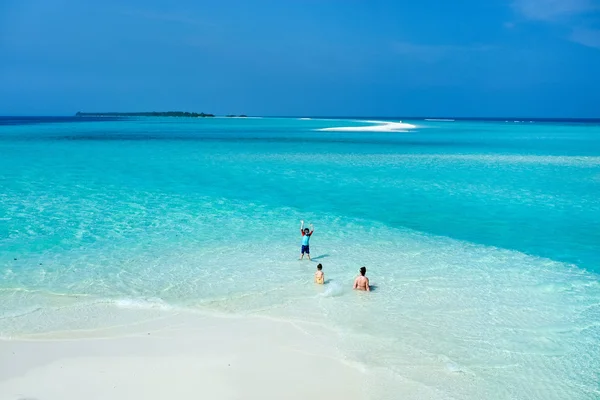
346,117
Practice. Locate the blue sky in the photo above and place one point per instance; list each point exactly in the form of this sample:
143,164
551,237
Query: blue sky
537,58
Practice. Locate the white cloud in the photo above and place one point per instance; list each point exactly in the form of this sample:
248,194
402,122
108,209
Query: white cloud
586,37
554,10
570,14
432,52
174,17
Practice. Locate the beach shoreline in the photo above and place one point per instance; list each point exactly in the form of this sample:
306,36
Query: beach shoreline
180,355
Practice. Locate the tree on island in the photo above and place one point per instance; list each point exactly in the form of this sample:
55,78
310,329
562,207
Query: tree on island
146,114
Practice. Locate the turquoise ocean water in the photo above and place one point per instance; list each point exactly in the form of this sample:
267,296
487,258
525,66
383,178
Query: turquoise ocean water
482,239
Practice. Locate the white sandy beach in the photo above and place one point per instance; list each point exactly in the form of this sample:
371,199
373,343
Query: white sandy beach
181,356
378,126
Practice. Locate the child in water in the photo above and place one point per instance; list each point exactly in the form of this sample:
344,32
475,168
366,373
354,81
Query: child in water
319,275
306,234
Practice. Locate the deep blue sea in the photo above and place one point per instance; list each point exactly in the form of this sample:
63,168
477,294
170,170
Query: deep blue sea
481,238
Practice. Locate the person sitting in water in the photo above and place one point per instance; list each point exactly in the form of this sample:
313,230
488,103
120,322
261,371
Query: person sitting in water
362,282
306,234
319,275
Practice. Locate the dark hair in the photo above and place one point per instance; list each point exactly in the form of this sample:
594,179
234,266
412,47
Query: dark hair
306,230
319,267
363,271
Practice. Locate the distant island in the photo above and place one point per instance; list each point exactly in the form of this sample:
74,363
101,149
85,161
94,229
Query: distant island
146,114
236,116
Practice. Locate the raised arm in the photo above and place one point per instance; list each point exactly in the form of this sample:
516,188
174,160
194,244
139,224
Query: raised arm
302,226
312,229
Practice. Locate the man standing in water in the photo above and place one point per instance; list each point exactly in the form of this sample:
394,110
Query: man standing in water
362,282
306,234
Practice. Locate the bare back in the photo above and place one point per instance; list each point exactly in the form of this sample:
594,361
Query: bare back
319,277
362,283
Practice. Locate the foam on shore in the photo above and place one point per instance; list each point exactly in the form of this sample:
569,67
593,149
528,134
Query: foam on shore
378,126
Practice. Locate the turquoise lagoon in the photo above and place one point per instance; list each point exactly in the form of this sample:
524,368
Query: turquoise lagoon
482,239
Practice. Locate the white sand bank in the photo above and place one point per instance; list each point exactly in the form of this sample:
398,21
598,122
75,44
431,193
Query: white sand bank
378,126
180,357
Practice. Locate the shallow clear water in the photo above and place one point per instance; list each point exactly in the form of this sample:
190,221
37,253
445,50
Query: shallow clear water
482,239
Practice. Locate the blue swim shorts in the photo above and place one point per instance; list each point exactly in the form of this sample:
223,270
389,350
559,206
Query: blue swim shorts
305,249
